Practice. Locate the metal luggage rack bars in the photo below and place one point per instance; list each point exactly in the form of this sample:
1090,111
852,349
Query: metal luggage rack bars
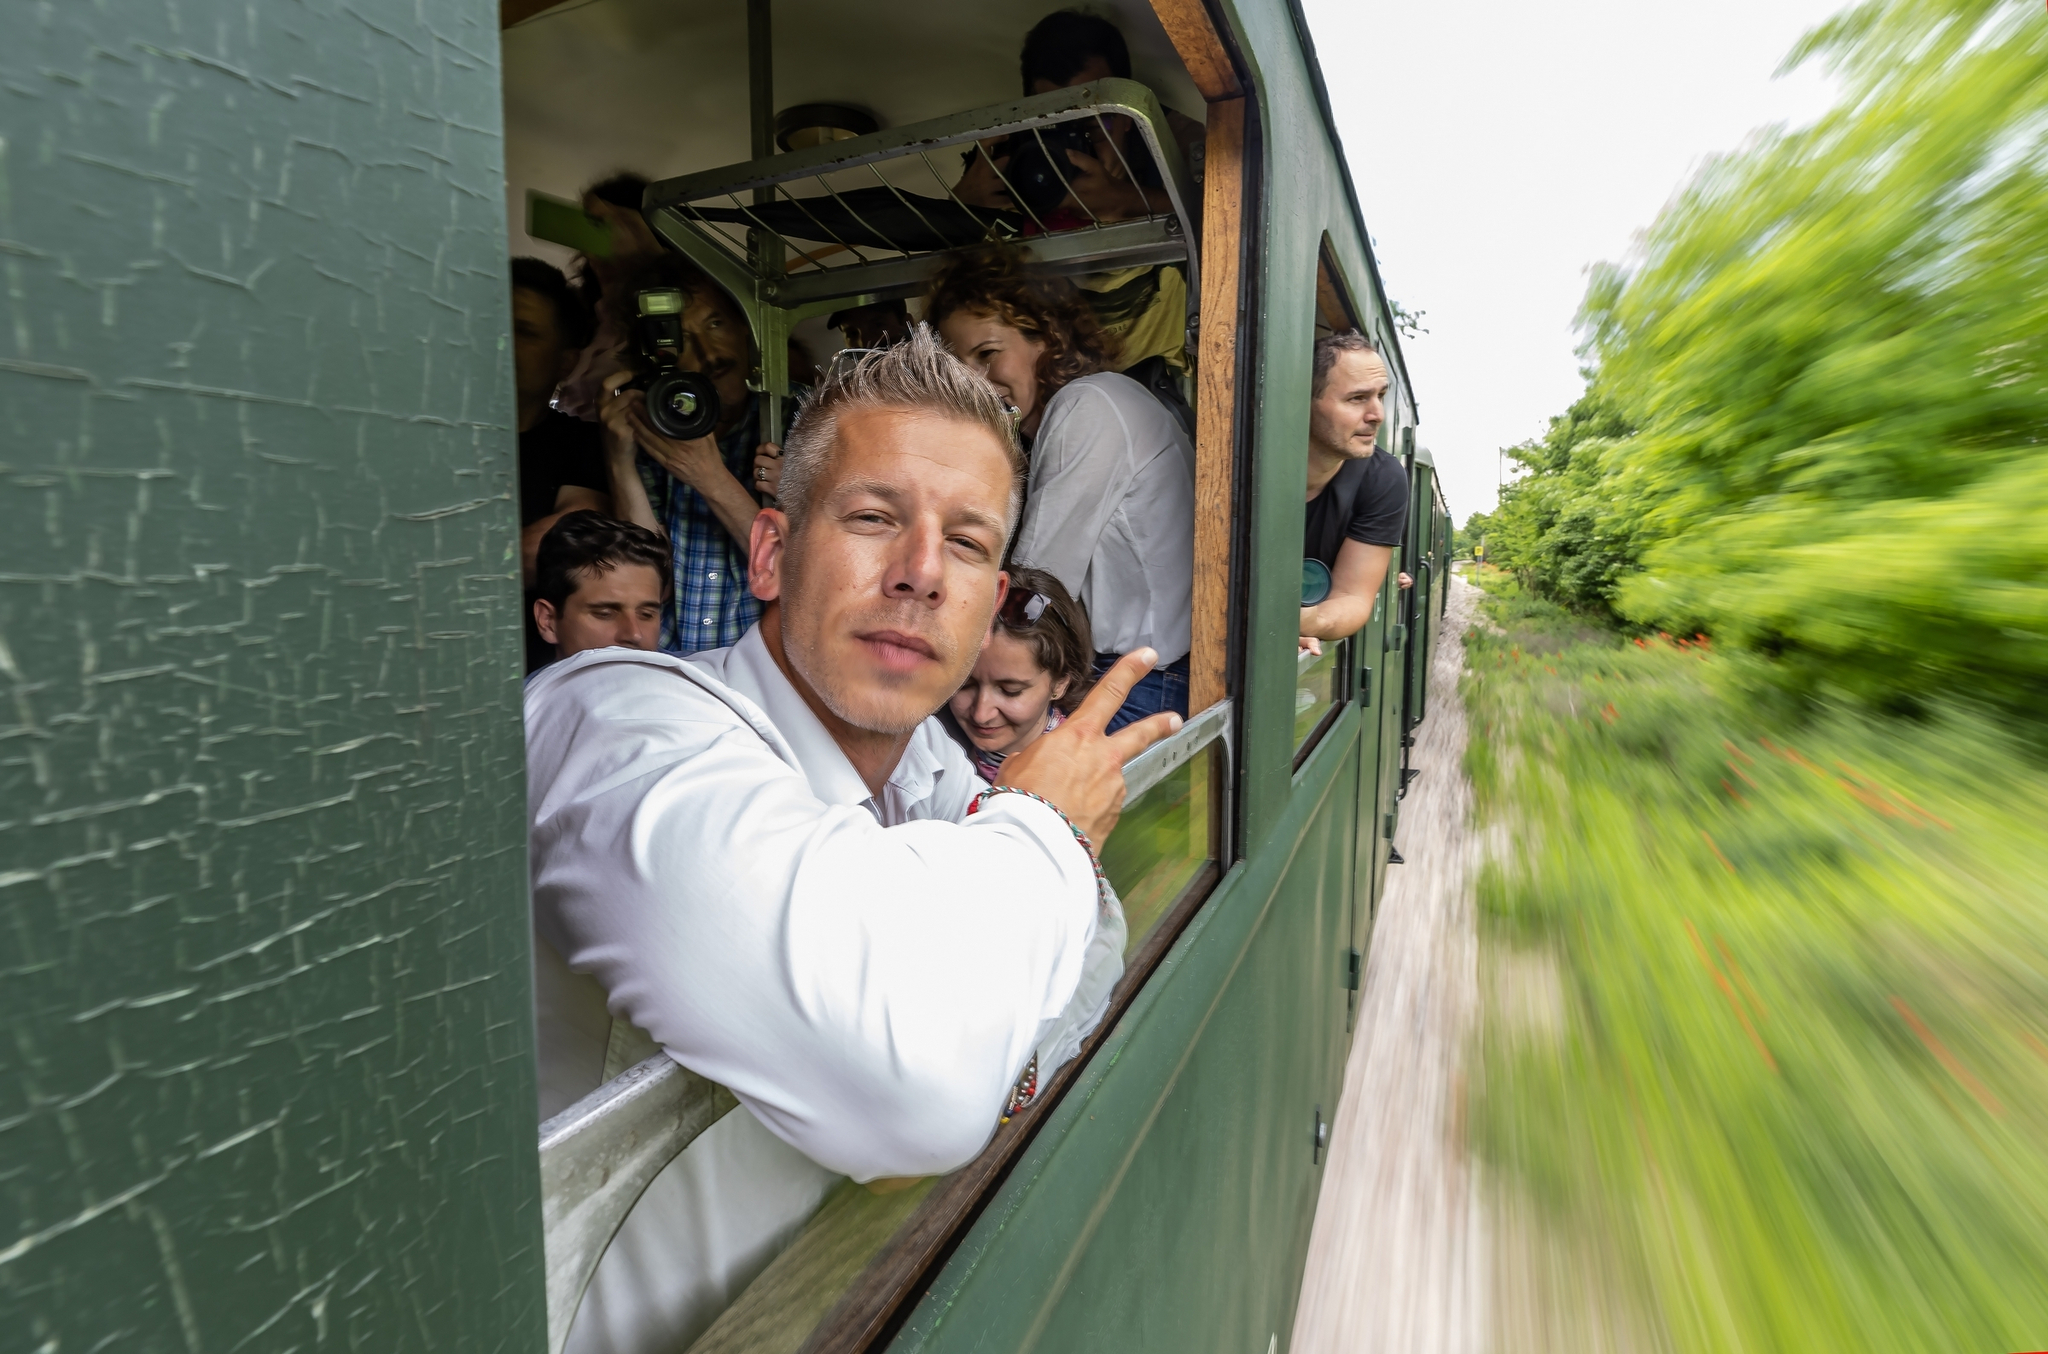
743,224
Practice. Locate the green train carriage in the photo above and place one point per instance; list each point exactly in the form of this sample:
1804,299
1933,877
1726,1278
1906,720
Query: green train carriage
270,1075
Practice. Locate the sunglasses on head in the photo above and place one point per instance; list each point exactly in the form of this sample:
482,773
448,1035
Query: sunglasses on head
1021,609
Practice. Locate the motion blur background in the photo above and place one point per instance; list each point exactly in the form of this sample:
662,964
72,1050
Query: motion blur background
1757,715
1502,149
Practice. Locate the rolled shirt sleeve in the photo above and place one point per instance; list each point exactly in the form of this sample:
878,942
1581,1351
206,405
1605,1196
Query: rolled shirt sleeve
869,993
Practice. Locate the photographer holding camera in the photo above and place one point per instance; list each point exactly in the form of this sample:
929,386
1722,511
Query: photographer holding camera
682,438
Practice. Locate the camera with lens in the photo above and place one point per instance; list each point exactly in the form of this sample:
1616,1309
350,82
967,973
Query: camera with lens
682,405
1039,172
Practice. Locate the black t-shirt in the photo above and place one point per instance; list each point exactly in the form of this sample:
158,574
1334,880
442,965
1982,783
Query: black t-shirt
1365,501
556,451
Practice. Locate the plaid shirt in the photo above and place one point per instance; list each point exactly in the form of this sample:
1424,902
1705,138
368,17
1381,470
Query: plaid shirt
709,606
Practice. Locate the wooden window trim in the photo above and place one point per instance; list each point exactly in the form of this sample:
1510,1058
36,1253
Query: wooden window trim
874,1309
1200,45
1216,380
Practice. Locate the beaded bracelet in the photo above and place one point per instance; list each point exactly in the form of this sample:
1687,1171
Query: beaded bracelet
1023,1093
1102,893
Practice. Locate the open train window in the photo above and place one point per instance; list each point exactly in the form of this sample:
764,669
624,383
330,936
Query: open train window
1323,679
809,161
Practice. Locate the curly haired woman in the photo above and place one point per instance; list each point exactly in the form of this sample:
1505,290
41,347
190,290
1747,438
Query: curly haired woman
1111,506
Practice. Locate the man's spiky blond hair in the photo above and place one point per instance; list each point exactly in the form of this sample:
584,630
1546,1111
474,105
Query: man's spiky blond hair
917,373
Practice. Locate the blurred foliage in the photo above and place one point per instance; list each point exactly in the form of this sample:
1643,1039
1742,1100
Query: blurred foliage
1465,540
1784,1085
1567,525
1814,420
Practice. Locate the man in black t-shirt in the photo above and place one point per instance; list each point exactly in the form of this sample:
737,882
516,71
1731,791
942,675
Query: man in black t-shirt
562,466
1357,493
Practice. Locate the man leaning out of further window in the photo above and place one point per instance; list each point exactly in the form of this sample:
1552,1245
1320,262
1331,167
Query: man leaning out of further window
1357,493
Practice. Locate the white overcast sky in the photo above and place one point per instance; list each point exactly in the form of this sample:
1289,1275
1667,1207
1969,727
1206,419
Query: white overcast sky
1500,148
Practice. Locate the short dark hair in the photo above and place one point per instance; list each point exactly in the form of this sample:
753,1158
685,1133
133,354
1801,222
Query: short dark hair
584,543
1327,348
1058,635
623,189
1062,42
572,314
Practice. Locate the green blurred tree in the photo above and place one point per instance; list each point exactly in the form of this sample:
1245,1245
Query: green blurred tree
1465,540
1814,423
1563,526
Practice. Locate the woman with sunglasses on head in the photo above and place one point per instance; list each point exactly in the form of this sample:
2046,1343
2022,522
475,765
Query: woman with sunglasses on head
1032,673
1110,511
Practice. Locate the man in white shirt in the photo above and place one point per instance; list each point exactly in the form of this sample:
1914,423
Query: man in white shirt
762,854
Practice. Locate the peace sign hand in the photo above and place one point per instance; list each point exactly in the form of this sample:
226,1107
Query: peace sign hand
1080,768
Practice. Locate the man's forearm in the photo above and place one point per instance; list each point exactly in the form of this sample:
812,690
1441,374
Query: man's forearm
629,495
529,545
730,500
1337,617
1356,581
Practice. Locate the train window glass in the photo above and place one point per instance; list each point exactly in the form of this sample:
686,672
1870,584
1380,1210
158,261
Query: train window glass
1161,843
1318,686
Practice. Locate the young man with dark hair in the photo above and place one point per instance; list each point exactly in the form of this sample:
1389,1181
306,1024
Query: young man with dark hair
599,584
1357,493
561,459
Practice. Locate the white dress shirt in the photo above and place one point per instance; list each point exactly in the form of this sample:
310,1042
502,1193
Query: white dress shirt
867,974
1111,513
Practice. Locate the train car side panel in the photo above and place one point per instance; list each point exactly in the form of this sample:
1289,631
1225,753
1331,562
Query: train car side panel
269,1080
1168,1201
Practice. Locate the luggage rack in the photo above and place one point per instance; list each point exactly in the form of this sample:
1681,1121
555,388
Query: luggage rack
871,218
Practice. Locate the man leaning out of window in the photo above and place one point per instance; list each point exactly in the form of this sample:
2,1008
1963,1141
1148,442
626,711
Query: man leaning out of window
1357,492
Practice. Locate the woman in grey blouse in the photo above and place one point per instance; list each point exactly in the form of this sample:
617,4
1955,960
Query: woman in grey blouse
1111,506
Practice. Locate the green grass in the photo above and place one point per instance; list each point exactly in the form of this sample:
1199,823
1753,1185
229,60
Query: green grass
1801,1082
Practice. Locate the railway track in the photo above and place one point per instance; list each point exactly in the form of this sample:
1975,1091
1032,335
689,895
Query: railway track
1398,1258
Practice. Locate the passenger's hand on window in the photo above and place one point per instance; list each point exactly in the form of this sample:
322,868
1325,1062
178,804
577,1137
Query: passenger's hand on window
1405,580
767,469
981,186
1081,769
697,463
1311,645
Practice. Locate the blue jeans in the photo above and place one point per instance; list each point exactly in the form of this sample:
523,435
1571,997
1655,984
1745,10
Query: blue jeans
1162,689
